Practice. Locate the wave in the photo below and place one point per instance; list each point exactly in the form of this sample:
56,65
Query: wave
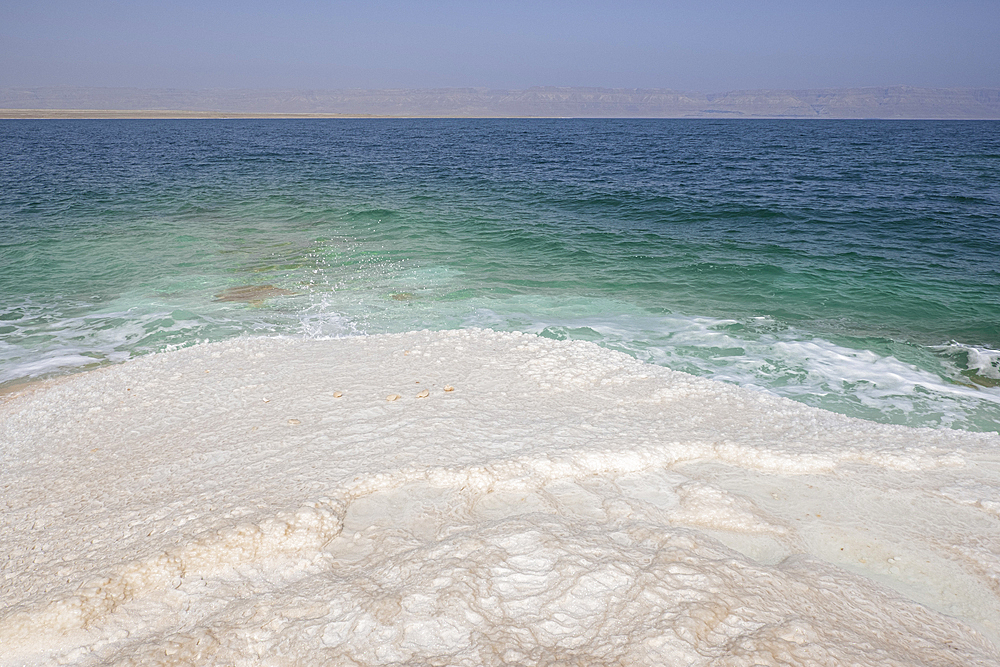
979,365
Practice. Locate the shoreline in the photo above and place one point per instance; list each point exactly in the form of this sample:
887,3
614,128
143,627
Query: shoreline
880,102
166,114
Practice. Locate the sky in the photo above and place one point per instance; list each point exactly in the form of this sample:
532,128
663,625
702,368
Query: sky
704,46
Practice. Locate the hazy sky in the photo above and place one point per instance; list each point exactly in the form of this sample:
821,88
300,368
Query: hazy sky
708,45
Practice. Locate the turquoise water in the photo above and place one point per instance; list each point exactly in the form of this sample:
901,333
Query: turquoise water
850,265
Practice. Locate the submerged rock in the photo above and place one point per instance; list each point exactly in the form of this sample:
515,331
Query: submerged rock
251,293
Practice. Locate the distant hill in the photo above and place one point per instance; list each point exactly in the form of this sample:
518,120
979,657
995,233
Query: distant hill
890,102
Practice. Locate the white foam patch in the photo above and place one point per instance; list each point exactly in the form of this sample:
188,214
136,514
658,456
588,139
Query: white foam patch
982,361
47,344
887,375
260,500
45,341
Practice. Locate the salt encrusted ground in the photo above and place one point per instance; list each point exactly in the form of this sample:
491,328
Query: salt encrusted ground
260,501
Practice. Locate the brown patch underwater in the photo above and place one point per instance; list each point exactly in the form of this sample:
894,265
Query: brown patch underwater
251,293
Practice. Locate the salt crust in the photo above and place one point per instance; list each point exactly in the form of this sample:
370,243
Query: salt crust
564,504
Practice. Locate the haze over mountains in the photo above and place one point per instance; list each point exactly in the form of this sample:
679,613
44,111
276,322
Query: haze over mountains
883,102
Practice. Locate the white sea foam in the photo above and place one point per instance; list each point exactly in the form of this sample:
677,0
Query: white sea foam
981,361
48,342
562,504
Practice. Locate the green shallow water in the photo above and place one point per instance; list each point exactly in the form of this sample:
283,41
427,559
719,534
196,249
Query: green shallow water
849,265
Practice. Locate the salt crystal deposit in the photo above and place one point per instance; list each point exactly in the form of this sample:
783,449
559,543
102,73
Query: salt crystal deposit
259,501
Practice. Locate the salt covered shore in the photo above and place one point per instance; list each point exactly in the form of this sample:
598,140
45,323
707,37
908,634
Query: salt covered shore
260,501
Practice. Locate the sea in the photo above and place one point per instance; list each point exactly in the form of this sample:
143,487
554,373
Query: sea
528,392
851,265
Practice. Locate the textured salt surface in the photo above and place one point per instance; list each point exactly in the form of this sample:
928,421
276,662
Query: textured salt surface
563,503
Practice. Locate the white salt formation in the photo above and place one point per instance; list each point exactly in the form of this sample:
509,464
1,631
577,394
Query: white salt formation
261,502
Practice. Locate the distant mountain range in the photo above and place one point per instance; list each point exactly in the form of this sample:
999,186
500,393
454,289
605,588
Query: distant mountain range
890,102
